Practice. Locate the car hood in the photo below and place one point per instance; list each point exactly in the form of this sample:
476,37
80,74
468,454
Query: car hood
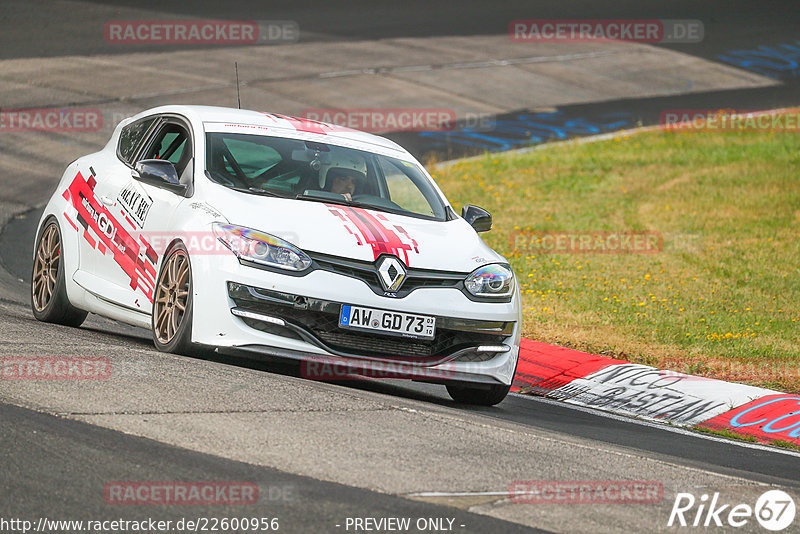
359,233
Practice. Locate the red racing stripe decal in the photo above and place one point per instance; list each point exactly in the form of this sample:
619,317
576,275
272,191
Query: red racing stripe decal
70,221
151,255
413,241
89,238
389,242
92,214
128,219
383,239
358,239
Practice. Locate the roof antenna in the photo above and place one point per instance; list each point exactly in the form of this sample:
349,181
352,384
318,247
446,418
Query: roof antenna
238,98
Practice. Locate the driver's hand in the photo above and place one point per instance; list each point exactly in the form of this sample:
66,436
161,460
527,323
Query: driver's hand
347,197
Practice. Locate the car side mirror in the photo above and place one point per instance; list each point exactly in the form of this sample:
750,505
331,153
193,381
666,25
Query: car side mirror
160,173
478,218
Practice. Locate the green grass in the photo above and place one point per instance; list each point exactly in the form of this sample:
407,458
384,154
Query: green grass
786,444
730,434
722,298
725,433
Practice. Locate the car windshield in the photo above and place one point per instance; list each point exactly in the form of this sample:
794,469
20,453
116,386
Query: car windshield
311,171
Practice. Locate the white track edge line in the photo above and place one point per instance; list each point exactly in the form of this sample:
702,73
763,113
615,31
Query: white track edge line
662,426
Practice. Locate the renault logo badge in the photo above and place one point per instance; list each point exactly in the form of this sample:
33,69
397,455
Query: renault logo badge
391,273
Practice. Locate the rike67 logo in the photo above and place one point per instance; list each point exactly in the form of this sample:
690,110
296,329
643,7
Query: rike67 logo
774,510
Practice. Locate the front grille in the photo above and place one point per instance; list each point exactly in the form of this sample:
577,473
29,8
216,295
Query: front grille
320,320
369,344
474,357
366,274
365,271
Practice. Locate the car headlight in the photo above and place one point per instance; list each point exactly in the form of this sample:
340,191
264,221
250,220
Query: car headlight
491,281
261,248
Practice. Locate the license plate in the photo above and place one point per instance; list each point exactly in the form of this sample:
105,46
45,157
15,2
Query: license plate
387,322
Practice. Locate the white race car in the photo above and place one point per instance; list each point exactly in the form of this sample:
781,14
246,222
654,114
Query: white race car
230,229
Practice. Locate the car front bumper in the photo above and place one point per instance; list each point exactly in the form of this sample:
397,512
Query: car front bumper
296,317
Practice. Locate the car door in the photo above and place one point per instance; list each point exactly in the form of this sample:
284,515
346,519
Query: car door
153,208
123,268
104,259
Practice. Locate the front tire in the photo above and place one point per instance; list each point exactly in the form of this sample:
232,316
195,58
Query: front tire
477,395
49,302
172,304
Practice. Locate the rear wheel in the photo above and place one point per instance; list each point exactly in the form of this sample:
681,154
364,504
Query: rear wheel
172,305
478,395
49,301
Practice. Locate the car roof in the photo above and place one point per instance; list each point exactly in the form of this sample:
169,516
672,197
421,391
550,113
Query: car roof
233,116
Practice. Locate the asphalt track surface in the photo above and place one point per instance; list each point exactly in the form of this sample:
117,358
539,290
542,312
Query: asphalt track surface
29,32
727,26
34,443
55,466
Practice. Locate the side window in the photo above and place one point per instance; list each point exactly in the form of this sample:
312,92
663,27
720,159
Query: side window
173,144
130,137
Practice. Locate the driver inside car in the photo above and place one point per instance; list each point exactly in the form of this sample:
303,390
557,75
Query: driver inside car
346,176
344,182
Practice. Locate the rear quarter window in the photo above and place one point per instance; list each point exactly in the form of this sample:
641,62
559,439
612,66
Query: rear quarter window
131,137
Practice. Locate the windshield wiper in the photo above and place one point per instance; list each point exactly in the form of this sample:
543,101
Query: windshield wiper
339,199
257,191
326,197
251,190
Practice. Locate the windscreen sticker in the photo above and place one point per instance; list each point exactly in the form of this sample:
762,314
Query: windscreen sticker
367,228
135,202
309,125
305,125
136,258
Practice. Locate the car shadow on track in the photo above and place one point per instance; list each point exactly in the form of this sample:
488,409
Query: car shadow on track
401,388
419,391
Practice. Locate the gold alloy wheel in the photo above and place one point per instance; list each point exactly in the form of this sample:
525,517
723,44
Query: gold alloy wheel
172,297
45,269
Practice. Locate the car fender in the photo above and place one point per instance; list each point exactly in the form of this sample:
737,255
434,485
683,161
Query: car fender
58,207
